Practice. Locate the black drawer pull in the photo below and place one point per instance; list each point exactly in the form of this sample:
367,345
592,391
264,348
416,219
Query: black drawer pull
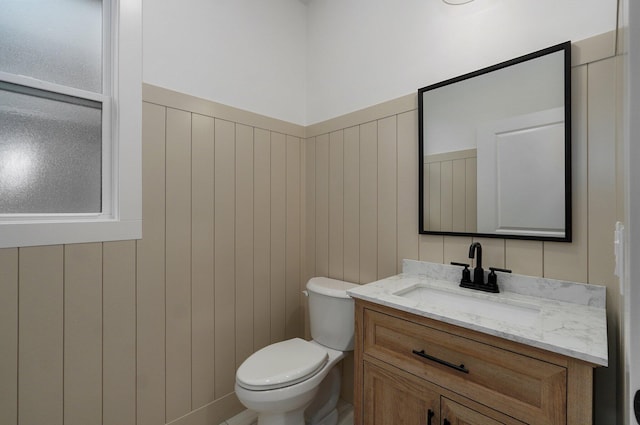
430,415
424,355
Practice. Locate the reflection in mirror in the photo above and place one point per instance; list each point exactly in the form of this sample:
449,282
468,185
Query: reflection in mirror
494,149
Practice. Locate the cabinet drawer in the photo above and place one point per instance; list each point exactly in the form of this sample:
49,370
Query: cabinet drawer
528,389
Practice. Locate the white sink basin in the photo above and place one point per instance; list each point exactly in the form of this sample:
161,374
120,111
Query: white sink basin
514,314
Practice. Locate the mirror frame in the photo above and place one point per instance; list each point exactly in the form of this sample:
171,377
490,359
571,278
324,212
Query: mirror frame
566,48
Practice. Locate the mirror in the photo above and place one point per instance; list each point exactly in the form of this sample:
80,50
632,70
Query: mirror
495,150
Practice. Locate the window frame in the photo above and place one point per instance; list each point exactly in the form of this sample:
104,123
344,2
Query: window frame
121,98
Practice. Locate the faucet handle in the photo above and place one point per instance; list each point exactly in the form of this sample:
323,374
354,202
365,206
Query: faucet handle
492,279
466,273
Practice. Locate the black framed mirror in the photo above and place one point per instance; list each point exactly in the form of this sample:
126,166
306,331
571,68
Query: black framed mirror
495,150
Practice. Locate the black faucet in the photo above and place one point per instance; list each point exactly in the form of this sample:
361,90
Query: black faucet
478,273
491,285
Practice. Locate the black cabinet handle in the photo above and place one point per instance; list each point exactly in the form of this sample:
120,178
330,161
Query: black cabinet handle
424,355
430,415
446,422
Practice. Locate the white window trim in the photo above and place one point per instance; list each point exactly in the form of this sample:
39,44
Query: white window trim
125,107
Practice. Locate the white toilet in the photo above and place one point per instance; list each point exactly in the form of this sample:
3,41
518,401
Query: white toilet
295,382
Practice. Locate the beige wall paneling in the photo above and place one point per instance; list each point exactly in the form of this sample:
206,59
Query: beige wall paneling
446,196
310,208
602,217
202,251
471,195
569,261
224,257
407,187
387,196
178,264
309,223
293,285
119,333
368,202
322,205
352,204
459,195
41,335
9,336
150,253
493,252
336,204
278,237
262,237
456,248
431,248
82,334
524,257
244,242
433,181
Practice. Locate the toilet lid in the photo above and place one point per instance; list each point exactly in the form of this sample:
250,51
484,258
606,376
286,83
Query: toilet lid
281,364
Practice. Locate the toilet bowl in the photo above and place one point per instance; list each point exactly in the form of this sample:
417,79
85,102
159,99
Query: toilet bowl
294,382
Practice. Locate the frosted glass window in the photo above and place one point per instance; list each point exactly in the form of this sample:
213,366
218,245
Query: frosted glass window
50,152
59,41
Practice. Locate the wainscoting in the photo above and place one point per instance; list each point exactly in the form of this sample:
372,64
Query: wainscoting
151,331
362,203
239,210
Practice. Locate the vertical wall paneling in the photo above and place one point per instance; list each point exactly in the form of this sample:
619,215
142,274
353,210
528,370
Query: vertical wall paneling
368,202
119,336
562,260
352,204
322,205
150,272
262,237
82,334
407,187
493,252
433,176
387,196
524,257
431,248
336,204
293,323
446,196
9,336
278,235
202,251
602,216
178,263
310,208
244,242
308,224
41,335
471,196
456,249
224,257
459,195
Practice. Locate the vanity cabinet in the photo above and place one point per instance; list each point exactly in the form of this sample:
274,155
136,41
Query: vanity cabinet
415,370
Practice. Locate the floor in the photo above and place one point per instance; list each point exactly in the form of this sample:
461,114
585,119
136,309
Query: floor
247,417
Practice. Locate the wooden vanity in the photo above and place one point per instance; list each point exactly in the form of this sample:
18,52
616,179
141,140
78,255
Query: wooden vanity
411,369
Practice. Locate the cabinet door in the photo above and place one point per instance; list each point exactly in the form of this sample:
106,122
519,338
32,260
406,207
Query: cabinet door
456,414
391,399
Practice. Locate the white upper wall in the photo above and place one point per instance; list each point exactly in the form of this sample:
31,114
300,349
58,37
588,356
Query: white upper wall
250,54
308,63
364,52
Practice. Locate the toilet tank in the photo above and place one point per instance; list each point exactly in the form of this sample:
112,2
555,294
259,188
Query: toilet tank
331,313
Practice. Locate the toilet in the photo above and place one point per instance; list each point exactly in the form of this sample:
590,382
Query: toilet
295,382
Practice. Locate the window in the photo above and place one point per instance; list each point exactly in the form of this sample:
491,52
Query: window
70,114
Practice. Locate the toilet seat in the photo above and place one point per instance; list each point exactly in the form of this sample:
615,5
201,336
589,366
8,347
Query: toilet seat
281,364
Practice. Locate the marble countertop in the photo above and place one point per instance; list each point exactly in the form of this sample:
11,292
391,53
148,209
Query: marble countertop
568,318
